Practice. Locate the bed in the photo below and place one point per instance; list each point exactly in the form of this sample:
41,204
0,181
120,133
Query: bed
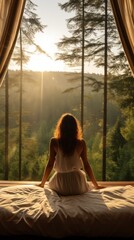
29,210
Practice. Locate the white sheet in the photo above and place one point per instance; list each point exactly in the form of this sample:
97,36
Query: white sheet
28,209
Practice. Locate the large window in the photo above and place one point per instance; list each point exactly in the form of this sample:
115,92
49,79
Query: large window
67,58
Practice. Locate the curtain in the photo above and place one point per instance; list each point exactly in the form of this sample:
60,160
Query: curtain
123,11
11,12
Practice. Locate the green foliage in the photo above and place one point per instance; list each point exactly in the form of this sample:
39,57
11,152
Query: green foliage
95,156
39,166
38,126
120,160
14,168
122,90
44,135
93,27
115,141
128,129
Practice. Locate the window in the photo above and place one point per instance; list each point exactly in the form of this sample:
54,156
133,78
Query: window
37,90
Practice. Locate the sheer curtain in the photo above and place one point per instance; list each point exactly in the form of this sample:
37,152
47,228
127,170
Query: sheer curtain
123,11
10,18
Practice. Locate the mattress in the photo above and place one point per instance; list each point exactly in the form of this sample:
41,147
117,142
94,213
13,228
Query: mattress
31,210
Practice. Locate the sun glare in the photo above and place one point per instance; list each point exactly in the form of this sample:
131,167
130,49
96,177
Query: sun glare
41,62
45,62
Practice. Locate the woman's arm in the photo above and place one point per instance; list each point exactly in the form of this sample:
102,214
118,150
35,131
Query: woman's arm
87,166
50,163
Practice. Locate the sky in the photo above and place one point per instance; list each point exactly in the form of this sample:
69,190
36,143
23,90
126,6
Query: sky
50,14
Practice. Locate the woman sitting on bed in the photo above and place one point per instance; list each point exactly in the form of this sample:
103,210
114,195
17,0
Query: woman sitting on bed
68,156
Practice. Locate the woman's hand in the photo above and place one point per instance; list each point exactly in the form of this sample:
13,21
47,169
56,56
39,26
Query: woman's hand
40,185
99,187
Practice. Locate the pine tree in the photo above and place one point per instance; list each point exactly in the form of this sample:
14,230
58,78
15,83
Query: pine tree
115,145
30,25
70,47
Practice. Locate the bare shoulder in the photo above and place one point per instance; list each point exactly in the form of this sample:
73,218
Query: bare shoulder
53,141
81,144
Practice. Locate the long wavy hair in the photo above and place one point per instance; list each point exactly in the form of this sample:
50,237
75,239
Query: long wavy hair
68,131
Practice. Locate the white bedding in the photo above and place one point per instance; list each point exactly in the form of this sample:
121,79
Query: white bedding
28,209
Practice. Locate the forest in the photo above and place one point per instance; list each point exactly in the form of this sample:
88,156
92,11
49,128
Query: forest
46,95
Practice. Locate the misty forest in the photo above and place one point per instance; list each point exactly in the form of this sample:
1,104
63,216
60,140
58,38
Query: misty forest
45,97
31,102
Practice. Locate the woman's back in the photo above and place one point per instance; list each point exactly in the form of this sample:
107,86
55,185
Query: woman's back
68,155
69,179
65,163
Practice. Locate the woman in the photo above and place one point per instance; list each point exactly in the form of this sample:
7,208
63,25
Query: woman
68,157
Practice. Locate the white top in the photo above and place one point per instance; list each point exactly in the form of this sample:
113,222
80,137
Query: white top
67,163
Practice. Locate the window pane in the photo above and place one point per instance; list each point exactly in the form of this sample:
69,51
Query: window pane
40,88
